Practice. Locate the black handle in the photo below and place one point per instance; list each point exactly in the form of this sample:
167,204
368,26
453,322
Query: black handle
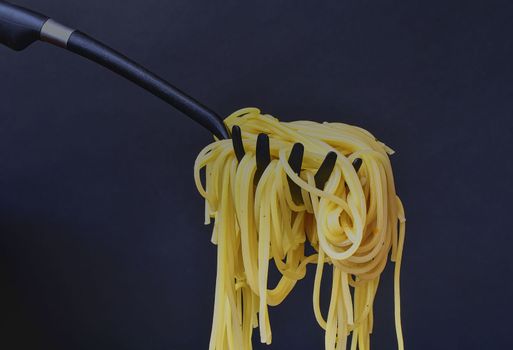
88,47
20,27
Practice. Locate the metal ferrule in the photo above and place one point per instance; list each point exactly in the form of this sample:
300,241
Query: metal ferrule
56,33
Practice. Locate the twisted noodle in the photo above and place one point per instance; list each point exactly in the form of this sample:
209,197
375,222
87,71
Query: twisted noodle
353,224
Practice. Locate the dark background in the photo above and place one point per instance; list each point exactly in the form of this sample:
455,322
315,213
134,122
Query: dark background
101,238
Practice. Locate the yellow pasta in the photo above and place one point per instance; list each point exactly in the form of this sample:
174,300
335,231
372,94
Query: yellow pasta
353,224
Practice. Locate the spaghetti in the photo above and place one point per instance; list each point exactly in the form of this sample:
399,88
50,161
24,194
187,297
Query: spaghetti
353,224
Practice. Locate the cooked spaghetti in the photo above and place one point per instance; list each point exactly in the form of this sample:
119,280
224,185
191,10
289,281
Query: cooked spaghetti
354,223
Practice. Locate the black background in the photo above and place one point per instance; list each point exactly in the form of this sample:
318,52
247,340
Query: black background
101,238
